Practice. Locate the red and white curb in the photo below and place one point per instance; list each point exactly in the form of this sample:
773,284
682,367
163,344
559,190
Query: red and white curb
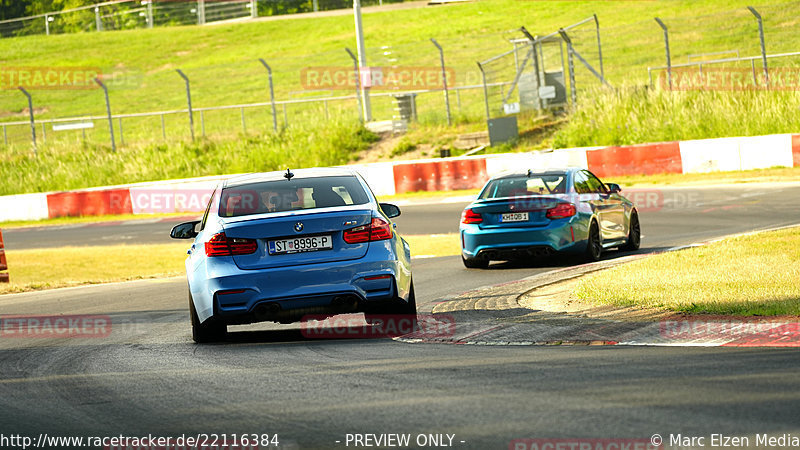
441,174
689,331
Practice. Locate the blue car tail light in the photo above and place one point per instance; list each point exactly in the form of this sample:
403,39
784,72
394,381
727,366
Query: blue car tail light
377,230
470,216
221,245
561,211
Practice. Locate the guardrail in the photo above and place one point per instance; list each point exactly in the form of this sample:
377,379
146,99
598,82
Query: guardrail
3,262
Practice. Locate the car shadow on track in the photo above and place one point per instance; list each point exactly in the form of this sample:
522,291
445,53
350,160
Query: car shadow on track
296,335
558,261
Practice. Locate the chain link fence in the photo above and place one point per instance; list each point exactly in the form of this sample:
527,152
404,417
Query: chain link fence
133,14
152,107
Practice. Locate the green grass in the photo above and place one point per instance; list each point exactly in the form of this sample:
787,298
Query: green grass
50,268
434,245
221,60
403,147
222,63
72,266
638,115
327,144
751,275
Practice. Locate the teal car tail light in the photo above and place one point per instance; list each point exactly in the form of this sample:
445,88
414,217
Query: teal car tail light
470,216
561,211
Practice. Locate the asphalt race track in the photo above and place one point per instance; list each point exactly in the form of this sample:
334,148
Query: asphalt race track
147,377
711,212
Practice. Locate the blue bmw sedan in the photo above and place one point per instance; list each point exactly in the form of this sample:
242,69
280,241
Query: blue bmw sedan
281,245
528,214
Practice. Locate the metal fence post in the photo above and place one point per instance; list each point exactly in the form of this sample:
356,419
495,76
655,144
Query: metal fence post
763,49
163,128
30,114
362,61
485,91
98,21
108,111
666,47
149,13
244,124
570,66
599,47
535,57
444,81
253,9
121,134
201,12
271,95
188,100
358,83
316,5
47,24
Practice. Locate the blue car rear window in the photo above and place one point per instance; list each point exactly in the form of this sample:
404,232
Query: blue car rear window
535,184
290,195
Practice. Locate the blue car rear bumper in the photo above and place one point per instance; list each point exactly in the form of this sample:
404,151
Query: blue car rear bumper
287,293
513,242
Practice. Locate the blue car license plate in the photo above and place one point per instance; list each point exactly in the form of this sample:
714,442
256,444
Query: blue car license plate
300,244
514,217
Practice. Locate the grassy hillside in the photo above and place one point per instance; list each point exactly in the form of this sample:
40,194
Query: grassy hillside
637,115
222,63
221,60
327,144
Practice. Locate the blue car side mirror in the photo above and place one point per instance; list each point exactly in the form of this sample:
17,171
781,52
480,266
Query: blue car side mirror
390,210
184,230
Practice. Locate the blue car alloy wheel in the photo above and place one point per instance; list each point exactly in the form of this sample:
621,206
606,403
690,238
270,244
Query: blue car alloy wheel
279,246
529,214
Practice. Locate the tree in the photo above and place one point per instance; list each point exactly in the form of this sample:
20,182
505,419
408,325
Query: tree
12,9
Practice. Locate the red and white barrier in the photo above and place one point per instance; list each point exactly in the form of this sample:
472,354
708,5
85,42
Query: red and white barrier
3,262
737,153
644,159
440,174
23,207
